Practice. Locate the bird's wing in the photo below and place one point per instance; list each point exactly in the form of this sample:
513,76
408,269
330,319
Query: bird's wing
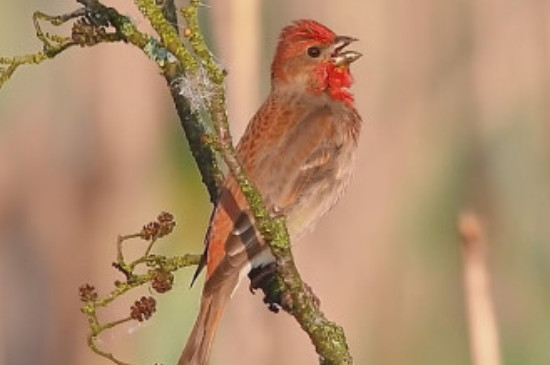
305,156
230,232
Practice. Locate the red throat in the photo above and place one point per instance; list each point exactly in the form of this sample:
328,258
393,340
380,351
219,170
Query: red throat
336,80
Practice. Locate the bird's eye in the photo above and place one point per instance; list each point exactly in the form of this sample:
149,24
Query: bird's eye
314,52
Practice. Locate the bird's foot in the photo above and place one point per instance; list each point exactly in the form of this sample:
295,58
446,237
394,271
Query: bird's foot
275,297
264,278
260,276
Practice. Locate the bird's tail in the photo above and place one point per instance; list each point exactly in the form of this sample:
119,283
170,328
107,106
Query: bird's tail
198,344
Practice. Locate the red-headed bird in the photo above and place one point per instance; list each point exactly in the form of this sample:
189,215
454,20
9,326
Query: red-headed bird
298,150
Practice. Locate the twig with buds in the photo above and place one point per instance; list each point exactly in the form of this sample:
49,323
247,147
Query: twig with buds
158,274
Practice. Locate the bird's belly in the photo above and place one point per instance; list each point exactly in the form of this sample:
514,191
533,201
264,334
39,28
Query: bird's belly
315,203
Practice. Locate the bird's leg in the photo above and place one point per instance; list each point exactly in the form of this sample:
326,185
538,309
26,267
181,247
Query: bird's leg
259,276
264,278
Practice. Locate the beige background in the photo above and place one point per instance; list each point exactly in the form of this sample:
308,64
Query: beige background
455,97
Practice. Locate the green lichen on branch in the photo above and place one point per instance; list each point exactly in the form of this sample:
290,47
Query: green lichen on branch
185,70
153,270
168,35
89,28
198,44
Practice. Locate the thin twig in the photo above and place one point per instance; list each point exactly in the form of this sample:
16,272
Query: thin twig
158,274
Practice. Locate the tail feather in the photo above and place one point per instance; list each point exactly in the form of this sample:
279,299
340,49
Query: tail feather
197,349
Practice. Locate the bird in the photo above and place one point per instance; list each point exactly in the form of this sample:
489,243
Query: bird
298,150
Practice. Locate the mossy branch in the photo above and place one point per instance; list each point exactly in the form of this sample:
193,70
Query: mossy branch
196,82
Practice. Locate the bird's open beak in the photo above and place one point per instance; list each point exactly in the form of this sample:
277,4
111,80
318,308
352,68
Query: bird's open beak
340,57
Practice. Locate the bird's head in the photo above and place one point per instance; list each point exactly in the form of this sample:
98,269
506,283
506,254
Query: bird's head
313,58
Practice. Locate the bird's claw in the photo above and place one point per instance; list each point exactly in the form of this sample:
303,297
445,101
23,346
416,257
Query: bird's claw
264,278
260,276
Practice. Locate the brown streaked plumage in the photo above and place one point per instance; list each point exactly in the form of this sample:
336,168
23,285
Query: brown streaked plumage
298,150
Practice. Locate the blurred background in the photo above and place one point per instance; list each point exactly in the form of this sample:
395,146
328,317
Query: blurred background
455,97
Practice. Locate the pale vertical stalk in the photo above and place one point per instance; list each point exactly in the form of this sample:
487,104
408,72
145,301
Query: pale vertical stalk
484,342
245,41
238,34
